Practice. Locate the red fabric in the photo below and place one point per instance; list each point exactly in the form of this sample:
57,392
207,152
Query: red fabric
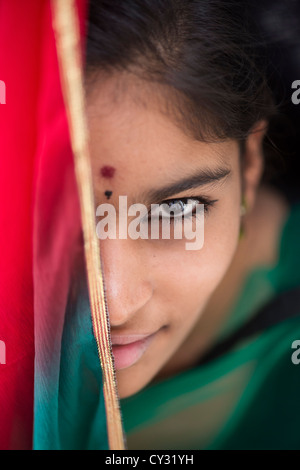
28,66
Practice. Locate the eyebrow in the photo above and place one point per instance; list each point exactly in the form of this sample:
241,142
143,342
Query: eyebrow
202,178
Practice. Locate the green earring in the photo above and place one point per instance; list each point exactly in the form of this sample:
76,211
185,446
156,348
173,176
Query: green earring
242,213
242,232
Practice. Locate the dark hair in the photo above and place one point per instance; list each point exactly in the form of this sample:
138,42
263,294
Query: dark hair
201,49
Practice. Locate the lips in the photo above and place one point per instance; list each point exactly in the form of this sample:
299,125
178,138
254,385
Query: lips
128,349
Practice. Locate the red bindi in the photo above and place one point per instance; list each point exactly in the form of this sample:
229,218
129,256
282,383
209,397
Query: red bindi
107,171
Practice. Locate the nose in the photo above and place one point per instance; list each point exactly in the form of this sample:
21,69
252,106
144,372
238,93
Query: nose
127,282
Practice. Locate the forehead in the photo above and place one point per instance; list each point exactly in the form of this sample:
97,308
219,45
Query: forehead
130,130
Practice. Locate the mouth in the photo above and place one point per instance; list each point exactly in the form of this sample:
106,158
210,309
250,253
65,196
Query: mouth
128,349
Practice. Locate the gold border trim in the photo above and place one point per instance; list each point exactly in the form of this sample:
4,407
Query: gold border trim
66,27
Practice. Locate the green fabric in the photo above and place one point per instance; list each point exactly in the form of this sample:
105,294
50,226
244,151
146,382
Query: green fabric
70,412
246,399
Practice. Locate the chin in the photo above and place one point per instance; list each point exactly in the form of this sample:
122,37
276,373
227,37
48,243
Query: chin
126,388
133,379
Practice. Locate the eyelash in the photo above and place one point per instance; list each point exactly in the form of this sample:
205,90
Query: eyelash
208,204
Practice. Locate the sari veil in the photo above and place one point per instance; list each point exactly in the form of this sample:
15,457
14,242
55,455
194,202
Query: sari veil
57,387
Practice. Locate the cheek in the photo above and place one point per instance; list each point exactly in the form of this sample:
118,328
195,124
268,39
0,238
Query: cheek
188,278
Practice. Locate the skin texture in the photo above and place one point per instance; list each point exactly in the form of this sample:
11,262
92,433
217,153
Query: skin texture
158,285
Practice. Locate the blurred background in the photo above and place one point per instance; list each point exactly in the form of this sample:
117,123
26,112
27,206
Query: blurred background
278,28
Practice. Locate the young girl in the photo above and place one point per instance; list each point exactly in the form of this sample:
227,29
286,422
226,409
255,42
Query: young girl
204,343
178,108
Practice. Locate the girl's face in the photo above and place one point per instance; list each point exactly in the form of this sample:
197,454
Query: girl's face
157,289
